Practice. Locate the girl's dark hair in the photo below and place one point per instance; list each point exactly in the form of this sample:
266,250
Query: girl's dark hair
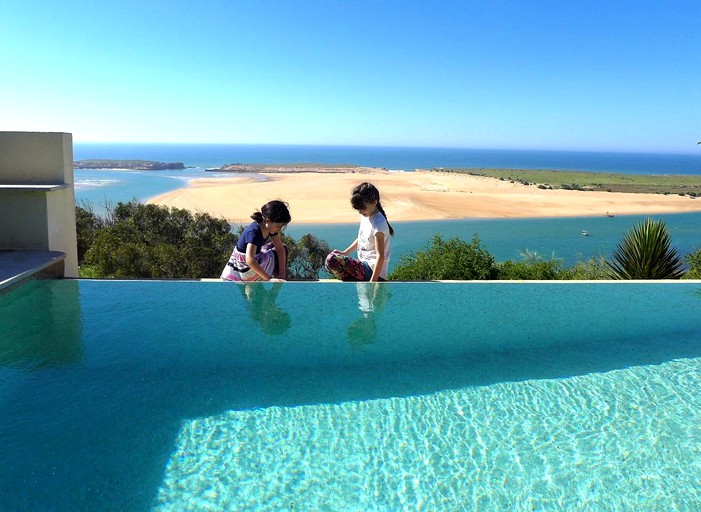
274,211
364,194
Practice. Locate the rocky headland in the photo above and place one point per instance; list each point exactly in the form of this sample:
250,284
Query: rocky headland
131,165
297,168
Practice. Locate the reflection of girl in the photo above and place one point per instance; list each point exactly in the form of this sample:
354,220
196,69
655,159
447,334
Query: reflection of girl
372,299
372,244
263,308
253,259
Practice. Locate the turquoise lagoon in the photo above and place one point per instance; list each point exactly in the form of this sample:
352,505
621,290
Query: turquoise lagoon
133,395
505,238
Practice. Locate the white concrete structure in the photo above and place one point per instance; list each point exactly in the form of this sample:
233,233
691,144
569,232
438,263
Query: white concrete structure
37,198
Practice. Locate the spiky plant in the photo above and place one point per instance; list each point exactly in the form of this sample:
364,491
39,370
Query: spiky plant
646,253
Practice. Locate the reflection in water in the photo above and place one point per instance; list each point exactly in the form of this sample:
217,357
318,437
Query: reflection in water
263,309
372,299
40,326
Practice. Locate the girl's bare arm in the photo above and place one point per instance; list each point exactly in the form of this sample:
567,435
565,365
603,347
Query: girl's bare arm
352,247
380,250
252,262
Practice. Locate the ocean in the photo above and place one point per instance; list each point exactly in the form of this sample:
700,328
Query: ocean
505,238
215,155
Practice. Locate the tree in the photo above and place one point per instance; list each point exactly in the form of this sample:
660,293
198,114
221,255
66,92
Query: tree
694,261
646,253
87,226
150,241
454,259
306,257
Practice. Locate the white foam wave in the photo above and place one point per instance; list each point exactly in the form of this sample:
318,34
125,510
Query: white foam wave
94,183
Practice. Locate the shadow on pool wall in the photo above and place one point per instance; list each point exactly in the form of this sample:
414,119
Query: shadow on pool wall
139,359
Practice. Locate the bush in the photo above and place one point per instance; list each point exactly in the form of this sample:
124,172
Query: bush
454,259
694,261
150,241
593,269
87,226
306,257
533,268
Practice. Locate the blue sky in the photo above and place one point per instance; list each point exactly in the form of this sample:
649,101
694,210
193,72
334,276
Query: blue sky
596,75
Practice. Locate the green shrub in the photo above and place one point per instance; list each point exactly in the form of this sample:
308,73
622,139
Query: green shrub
532,268
306,257
87,226
593,269
453,259
694,261
150,241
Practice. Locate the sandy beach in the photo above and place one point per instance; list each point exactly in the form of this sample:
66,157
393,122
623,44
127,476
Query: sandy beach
422,195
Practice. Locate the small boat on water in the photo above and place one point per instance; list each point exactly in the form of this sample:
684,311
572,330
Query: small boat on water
609,214
584,233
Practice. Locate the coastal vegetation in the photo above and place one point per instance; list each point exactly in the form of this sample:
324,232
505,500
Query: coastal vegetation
452,259
306,258
645,252
135,240
694,262
609,182
138,240
456,259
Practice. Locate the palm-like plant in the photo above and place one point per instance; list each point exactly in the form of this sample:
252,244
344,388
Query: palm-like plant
646,253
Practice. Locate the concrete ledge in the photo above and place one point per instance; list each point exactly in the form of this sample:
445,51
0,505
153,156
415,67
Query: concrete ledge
33,187
16,266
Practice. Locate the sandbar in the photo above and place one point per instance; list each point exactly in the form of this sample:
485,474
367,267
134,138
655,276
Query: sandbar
322,198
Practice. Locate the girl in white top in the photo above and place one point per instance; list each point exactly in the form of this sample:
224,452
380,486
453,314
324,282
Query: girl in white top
373,243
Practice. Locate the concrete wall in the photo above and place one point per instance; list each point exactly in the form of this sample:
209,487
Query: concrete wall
32,217
23,222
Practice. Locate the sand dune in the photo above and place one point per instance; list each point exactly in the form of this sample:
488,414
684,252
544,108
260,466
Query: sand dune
325,198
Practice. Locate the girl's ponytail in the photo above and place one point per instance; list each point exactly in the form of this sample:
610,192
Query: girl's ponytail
382,211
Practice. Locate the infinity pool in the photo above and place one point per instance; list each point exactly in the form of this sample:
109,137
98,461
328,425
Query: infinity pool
134,395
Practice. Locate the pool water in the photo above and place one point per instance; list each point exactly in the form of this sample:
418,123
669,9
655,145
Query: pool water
181,395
